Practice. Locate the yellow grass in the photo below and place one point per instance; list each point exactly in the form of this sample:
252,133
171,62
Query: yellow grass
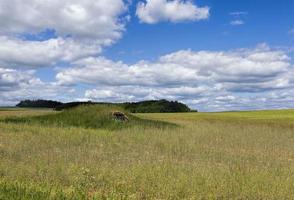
24,112
245,155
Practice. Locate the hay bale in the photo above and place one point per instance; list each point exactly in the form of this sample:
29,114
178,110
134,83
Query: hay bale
120,116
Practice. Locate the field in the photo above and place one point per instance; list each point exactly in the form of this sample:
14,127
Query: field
233,155
19,112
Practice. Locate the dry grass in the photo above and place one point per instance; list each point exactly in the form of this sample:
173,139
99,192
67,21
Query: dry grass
19,112
210,156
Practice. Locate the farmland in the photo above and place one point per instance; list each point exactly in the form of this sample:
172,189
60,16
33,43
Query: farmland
82,154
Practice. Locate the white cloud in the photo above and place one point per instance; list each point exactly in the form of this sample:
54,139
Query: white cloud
106,72
291,32
209,78
99,20
11,79
244,66
18,53
238,13
82,28
16,85
237,22
139,93
154,11
238,18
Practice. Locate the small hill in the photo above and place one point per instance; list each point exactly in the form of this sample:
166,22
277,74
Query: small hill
153,106
156,106
78,103
89,116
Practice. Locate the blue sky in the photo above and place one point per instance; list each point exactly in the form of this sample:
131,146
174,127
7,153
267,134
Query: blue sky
213,55
265,21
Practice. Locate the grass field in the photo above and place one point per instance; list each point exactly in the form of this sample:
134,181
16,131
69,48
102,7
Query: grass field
21,112
234,155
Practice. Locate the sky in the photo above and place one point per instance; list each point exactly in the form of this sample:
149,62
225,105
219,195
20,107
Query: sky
212,55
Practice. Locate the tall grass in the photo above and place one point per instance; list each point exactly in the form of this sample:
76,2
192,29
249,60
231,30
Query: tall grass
87,116
200,159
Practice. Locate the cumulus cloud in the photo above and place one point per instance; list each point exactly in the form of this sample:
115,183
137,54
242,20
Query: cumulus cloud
16,85
19,53
99,20
139,93
206,78
154,11
82,29
254,66
11,79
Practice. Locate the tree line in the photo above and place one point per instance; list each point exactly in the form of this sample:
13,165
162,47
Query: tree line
151,106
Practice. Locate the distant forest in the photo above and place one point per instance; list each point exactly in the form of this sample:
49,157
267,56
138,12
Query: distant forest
39,104
152,106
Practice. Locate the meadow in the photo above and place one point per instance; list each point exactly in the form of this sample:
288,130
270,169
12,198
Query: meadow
84,154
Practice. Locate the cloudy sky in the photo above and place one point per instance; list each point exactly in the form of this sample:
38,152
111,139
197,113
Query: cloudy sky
213,55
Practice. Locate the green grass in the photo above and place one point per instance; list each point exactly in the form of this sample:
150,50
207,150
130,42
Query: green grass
242,155
277,117
23,109
87,116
